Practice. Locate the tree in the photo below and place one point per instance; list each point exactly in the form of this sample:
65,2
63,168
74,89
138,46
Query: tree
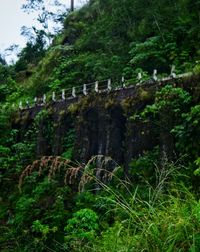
72,5
50,16
32,52
2,60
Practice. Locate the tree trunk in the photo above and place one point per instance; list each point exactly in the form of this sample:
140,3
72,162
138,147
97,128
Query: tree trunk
72,5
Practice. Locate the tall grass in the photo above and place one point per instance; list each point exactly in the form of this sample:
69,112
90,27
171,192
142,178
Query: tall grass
167,220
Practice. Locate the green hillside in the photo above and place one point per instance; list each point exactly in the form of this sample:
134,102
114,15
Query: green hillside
108,39
69,202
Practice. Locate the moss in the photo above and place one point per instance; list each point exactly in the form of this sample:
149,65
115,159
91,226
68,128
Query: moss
128,104
24,117
109,103
55,125
84,103
62,114
144,95
73,108
16,118
141,98
50,110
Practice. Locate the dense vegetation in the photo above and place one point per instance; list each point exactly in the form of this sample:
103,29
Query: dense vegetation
54,203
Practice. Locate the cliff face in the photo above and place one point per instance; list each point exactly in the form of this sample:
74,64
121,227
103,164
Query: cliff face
101,124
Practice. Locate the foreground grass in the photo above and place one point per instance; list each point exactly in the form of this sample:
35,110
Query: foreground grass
167,218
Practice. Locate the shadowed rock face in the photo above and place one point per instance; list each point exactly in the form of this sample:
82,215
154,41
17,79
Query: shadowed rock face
101,124
102,132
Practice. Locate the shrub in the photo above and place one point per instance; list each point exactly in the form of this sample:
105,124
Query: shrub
81,228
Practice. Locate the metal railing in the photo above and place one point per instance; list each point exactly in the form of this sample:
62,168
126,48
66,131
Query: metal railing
95,87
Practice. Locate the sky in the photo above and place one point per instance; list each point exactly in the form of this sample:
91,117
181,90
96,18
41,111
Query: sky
12,18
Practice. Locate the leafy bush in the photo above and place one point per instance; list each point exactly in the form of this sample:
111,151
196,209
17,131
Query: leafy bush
188,140
81,228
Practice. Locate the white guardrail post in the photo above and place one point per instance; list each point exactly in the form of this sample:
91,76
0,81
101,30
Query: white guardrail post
63,94
85,89
74,92
155,77
53,96
96,87
109,87
44,98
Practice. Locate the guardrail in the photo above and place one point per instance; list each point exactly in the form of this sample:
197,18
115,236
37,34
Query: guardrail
95,87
